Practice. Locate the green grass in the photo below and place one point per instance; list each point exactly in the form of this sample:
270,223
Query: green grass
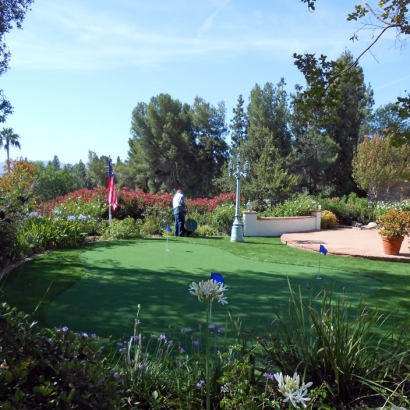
116,277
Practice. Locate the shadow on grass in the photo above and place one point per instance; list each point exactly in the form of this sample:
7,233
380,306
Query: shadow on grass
117,276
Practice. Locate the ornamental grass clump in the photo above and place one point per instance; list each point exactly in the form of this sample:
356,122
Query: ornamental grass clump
344,348
394,223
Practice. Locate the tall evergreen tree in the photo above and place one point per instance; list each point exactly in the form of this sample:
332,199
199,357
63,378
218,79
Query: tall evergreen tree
175,146
239,125
345,124
210,129
326,137
268,109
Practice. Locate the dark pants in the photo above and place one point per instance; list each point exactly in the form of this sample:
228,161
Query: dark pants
179,223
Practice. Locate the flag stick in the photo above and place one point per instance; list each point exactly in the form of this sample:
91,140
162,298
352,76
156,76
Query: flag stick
109,214
166,249
318,273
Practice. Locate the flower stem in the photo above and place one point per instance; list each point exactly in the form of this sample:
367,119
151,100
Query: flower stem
208,393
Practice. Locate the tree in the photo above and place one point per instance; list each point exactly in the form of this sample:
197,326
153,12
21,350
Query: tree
345,122
378,165
7,138
321,74
80,175
268,109
11,11
386,121
174,145
52,182
270,178
334,128
97,169
56,163
209,127
239,125
17,187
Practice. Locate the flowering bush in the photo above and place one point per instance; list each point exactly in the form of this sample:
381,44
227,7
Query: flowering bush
328,221
51,368
394,223
38,233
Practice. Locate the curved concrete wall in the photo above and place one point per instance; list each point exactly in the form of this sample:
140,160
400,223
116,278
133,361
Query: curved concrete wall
254,226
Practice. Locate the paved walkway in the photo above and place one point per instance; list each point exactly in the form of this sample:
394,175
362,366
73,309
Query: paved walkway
346,241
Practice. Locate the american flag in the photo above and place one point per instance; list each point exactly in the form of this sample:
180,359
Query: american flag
112,196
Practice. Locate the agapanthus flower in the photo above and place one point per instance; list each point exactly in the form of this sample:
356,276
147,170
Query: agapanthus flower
82,217
292,390
70,218
208,290
33,214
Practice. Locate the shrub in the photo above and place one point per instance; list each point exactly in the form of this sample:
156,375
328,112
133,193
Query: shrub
204,230
150,226
127,228
51,369
329,220
340,347
221,218
39,233
394,223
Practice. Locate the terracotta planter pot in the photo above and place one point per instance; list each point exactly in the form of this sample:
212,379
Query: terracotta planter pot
391,246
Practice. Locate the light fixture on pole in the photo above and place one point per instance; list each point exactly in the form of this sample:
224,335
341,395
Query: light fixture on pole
237,227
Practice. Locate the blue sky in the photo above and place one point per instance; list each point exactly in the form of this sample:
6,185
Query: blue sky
79,67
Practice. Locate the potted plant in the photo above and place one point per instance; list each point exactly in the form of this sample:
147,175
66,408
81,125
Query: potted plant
394,225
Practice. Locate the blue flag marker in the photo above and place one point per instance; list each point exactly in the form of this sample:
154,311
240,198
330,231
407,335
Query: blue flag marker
323,250
169,229
218,278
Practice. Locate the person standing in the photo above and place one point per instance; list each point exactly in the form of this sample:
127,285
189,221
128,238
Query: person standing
179,207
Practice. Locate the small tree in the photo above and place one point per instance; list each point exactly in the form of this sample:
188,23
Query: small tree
378,165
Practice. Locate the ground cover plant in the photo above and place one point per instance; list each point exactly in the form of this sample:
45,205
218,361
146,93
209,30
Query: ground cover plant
171,376
235,367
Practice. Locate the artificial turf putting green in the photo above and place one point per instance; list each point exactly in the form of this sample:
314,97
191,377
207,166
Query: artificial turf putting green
119,277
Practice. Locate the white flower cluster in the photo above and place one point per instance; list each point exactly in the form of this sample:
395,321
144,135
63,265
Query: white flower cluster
209,290
290,387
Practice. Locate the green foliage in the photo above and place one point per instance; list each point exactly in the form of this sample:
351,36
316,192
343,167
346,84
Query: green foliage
38,234
8,241
150,226
127,228
221,219
394,224
7,139
378,165
344,347
204,230
328,221
175,145
239,124
301,205
42,368
97,169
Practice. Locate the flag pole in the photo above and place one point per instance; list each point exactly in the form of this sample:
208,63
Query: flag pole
109,214
166,249
318,273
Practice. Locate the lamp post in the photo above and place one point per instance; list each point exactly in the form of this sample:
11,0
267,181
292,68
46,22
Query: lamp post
237,228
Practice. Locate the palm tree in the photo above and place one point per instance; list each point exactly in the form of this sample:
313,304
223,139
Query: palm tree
7,138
